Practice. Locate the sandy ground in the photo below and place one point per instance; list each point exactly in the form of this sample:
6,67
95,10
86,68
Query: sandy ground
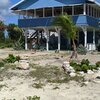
20,86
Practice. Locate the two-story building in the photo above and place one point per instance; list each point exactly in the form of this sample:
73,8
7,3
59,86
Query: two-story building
38,15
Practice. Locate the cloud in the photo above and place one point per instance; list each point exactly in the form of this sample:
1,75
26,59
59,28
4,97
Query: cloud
4,8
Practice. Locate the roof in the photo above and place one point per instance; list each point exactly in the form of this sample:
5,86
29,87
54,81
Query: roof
35,4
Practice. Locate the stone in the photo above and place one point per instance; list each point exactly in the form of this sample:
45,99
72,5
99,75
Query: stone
23,64
67,68
72,74
81,73
90,72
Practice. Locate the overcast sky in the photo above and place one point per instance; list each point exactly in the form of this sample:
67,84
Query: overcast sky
5,13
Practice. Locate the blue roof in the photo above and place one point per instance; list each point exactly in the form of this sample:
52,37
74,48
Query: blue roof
34,4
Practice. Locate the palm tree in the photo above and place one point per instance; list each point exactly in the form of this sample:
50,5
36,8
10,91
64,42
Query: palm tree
68,27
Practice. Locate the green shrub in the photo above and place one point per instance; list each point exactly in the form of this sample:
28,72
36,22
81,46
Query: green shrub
98,64
11,58
85,61
73,64
33,98
18,58
81,50
98,47
84,68
1,64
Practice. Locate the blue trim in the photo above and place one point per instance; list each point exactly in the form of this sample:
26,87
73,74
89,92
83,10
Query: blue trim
79,20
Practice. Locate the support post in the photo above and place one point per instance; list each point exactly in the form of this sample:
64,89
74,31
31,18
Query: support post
84,11
94,39
47,42
26,47
58,31
85,36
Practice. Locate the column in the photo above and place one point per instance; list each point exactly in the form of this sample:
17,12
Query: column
47,42
26,47
85,38
94,39
84,11
58,31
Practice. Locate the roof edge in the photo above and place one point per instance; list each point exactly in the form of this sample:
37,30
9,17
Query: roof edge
11,8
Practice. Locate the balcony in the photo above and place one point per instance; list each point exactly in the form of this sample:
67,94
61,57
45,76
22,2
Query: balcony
79,20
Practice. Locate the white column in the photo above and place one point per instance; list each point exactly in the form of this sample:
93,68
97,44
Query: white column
47,42
58,31
84,11
26,47
85,38
94,47
59,40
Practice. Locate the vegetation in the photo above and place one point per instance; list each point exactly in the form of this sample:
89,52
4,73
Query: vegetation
51,74
68,27
81,50
27,98
33,98
11,58
84,65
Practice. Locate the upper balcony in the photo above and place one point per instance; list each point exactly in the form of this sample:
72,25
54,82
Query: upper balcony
81,20
83,14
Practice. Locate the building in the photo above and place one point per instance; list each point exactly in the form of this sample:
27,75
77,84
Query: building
38,15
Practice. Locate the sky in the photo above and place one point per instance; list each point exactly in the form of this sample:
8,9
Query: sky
5,13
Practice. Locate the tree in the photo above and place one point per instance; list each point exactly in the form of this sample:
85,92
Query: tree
16,35
68,27
2,29
12,33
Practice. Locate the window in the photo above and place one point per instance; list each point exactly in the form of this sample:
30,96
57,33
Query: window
68,10
78,9
57,11
39,12
48,12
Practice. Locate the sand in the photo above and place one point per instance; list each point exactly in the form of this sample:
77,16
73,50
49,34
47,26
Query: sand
20,86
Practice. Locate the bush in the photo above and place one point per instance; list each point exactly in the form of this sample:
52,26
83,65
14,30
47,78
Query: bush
98,47
33,98
85,61
84,68
98,64
81,50
1,64
11,58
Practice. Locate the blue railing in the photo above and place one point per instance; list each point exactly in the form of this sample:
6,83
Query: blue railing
79,20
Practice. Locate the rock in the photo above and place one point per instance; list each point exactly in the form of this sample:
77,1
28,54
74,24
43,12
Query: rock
72,74
90,72
67,68
23,64
81,73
